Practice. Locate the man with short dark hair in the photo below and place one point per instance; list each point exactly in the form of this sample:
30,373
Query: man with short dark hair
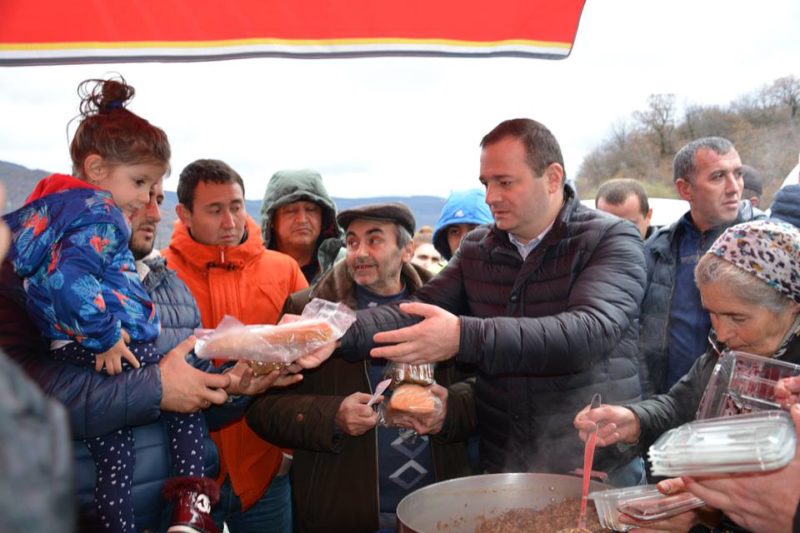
298,218
627,199
340,456
425,254
674,326
543,302
217,251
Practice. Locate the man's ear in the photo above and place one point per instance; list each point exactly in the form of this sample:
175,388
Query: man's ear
184,214
684,188
407,252
554,174
94,169
648,216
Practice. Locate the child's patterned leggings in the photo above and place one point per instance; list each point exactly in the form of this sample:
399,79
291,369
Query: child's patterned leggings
114,454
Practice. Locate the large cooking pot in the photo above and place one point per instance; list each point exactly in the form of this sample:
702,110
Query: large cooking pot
456,505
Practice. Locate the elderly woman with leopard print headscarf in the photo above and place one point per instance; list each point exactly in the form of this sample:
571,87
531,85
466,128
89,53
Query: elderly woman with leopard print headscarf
749,282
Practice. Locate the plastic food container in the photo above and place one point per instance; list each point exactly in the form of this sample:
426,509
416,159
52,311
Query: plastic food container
650,504
606,504
743,383
755,442
643,502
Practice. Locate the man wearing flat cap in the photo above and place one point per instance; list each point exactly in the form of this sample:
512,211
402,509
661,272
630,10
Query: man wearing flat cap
348,474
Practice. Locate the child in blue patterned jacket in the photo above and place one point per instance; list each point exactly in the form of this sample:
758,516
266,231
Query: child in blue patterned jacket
70,245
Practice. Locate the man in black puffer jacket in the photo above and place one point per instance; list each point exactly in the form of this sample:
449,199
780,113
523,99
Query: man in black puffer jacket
544,302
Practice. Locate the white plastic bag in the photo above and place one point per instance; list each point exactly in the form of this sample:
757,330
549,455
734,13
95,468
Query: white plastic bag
322,322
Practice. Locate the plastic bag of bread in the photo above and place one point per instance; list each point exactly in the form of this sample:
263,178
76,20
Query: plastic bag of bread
413,398
322,322
410,404
400,373
409,393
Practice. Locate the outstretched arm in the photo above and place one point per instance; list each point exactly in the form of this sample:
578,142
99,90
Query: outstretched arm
602,305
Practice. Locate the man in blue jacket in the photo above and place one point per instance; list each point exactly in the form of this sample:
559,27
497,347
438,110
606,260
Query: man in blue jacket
134,398
674,327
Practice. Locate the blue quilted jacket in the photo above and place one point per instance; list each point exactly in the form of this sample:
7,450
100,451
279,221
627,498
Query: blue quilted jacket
71,247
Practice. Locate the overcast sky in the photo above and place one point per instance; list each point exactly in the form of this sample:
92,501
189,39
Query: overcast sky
406,126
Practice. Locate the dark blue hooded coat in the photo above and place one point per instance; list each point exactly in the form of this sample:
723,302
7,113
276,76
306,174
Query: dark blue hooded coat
461,207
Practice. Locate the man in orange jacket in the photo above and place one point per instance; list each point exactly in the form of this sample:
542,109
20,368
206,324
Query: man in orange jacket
217,250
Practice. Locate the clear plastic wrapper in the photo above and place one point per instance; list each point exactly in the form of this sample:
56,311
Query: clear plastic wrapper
649,504
421,374
409,393
414,399
273,346
643,502
606,504
743,383
754,442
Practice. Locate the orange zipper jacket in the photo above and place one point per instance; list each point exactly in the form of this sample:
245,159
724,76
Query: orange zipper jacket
250,283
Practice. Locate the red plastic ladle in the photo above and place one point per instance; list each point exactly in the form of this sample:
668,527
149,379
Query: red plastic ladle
588,458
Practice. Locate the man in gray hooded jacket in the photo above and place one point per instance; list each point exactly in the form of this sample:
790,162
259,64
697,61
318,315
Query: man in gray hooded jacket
298,218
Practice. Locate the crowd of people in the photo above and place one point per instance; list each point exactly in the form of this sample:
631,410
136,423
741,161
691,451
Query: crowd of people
527,302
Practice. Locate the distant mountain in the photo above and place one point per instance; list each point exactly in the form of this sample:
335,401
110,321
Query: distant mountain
20,181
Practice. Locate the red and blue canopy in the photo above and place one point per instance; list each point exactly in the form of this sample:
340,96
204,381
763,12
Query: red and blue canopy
83,31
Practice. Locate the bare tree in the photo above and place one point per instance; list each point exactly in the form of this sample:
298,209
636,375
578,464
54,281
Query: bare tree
642,147
757,106
659,119
619,134
690,119
786,92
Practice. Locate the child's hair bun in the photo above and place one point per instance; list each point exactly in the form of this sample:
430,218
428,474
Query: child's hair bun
109,129
104,96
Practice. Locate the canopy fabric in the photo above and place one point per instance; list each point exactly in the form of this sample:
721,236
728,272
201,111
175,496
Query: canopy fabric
88,31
